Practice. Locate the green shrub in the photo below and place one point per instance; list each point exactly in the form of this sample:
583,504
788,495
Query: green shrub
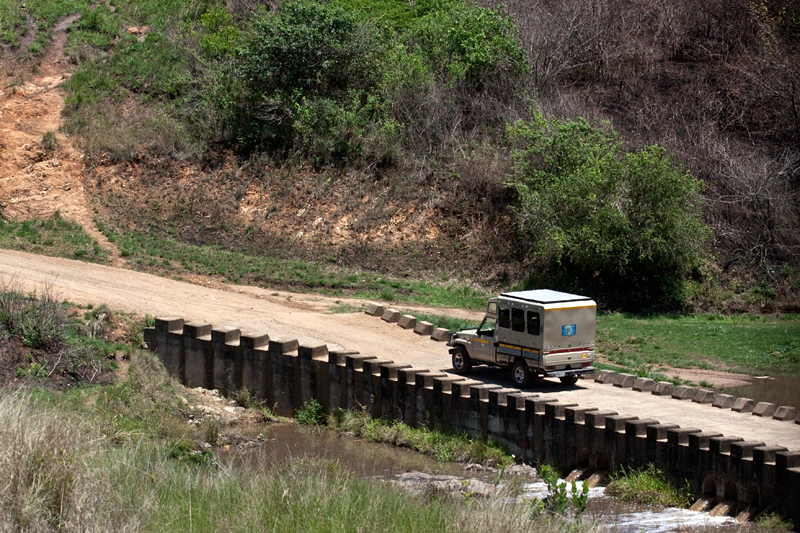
312,413
471,44
649,487
49,141
621,226
307,58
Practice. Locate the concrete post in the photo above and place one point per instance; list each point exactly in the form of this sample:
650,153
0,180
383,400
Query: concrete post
285,375
615,440
165,339
478,425
595,425
226,365
554,433
254,364
306,354
390,409
196,350
371,374
407,394
424,395
337,378
575,436
355,380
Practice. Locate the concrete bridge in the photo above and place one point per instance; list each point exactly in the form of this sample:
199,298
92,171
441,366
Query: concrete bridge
752,467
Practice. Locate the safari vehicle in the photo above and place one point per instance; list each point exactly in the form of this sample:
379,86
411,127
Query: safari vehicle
537,333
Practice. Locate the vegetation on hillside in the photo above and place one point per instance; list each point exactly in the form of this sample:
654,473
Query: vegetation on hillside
566,144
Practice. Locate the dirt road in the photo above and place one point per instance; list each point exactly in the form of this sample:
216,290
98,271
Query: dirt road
308,317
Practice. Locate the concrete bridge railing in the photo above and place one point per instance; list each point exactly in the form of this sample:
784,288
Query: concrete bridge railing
285,374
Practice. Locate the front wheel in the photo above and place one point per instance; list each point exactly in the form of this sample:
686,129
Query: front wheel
569,380
521,373
462,364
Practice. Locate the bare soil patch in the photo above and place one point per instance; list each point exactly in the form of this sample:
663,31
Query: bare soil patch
38,175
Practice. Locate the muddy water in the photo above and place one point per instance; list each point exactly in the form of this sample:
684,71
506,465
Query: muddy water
286,442
782,390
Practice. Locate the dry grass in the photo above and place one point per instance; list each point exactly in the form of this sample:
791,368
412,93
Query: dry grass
45,474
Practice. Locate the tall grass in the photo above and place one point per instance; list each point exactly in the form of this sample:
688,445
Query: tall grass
45,475
59,471
650,487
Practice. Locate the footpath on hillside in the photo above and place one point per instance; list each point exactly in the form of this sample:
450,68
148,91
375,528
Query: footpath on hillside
41,172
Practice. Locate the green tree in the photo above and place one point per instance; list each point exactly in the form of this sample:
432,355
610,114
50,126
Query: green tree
625,226
304,60
471,44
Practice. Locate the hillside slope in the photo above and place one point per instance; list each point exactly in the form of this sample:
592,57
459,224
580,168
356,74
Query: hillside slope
423,185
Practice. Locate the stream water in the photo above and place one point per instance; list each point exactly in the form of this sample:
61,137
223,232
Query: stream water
780,390
286,442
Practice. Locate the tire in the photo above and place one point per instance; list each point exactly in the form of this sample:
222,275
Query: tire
569,380
462,364
521,374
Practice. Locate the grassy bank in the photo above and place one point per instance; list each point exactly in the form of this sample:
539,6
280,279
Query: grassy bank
53,236
750,344
97,480
444,447
167,256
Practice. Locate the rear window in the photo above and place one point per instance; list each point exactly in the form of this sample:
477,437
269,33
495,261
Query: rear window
533,323
504,318
518,320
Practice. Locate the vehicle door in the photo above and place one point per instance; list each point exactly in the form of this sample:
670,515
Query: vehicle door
510,320
483,344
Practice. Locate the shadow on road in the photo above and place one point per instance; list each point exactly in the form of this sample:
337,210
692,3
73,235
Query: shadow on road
502,376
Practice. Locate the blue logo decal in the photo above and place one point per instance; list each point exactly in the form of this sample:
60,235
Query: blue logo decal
568,330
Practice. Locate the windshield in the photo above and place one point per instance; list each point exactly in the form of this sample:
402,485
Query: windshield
487,327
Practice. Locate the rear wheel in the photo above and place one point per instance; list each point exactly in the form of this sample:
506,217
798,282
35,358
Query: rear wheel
569,380
521,374
462,364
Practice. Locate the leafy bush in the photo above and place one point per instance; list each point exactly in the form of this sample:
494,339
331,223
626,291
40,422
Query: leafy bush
312,413
595,219
305,57
470,43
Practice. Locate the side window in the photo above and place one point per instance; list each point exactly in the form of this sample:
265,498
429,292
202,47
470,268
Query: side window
518,319
504,318
533,323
